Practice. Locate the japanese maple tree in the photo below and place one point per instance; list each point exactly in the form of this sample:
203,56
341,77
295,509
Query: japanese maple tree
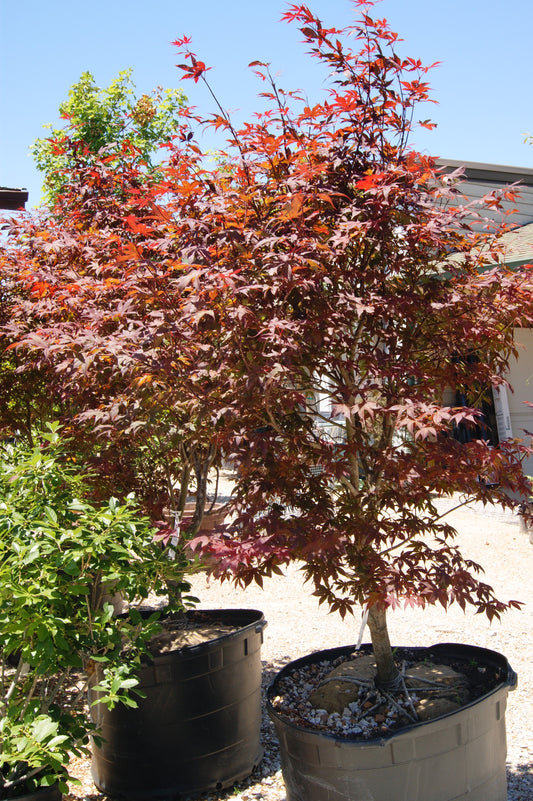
57,263
340,265
320,262
91,306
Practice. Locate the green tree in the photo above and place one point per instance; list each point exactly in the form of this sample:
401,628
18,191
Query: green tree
113,118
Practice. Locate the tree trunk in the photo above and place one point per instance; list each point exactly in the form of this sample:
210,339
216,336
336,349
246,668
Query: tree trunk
387,672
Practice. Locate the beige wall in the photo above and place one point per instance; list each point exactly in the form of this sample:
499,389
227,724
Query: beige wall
521,379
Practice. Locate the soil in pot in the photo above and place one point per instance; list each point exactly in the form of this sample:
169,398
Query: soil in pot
443,739
198,728
189,630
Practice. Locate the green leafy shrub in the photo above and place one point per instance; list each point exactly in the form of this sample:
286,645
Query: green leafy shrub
61,560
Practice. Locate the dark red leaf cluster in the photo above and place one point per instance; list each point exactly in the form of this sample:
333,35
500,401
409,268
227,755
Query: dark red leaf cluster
312,306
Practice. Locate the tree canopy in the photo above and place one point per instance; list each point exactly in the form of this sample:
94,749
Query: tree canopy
323,257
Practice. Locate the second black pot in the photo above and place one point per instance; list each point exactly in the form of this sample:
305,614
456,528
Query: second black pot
198,728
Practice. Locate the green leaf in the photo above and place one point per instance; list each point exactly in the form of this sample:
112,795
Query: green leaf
43,728
127,684
51,515
71,568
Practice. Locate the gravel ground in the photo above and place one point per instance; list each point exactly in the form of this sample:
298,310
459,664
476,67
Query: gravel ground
297,626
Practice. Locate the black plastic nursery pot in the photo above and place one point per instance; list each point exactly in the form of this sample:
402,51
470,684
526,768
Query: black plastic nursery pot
198,728
459,756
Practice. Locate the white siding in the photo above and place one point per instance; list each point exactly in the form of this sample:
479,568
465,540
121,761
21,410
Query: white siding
521,379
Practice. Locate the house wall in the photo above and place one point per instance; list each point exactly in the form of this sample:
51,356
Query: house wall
520,377
479,179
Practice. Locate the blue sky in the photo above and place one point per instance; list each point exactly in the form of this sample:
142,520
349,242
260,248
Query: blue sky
483,86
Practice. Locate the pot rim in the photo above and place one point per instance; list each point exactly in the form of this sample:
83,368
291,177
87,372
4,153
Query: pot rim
491,657
253,620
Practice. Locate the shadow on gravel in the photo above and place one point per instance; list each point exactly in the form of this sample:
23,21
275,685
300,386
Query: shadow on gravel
520,782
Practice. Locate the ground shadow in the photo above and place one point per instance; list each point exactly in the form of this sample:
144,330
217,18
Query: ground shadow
520,782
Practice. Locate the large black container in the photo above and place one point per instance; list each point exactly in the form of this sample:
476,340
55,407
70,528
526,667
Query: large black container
198,728
456,757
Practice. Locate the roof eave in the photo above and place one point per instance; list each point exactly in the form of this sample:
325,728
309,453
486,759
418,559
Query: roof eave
13,199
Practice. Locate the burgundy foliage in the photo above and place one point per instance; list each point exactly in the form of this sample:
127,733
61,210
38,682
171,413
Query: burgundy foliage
321,257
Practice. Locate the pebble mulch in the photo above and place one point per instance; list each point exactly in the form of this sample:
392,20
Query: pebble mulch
371,714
